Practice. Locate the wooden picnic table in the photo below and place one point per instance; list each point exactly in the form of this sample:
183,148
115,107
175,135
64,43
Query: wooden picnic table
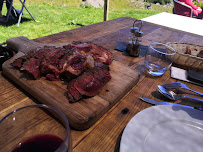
106,133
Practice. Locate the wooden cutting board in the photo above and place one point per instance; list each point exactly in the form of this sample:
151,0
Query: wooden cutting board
82,114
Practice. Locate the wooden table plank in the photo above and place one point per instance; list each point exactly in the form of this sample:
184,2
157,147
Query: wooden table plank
113,125
9,94
105,134
15,106
87,32
93,141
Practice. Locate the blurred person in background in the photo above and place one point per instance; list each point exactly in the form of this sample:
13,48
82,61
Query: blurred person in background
197,11
2,18
14,12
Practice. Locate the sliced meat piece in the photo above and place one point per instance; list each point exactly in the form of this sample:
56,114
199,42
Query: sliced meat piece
73,94
35,58
100,54
31,61
32,67
79,46
50,64
50,59
51,77
67,76
89,63
74,63
90,82
38,53
18,62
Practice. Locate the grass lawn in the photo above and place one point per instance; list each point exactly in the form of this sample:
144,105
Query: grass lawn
56,18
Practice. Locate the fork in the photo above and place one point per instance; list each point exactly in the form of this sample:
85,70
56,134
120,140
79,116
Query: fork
179,85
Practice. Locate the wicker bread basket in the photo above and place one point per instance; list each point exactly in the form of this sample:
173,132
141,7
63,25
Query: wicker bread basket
186,55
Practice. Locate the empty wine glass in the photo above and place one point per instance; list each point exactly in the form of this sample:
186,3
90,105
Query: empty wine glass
158,58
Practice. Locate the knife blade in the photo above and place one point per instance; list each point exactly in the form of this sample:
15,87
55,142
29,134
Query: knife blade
155,102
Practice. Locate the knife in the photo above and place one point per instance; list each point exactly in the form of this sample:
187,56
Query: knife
188,76
155,102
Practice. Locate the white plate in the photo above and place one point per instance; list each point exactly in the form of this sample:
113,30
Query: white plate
164,129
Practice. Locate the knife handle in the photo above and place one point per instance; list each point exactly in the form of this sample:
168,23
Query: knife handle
195,76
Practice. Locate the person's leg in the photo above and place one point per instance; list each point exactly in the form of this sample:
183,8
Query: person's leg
8,5
1,6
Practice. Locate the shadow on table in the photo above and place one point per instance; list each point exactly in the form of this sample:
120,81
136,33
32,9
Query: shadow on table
187,102
192,113
117,146
122,47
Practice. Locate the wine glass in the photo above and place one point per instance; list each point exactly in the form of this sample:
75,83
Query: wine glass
35,128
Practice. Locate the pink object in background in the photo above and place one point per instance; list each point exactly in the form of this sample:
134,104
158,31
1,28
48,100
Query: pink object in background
180,9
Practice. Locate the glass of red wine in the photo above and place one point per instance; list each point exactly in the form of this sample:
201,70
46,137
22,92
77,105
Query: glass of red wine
35,128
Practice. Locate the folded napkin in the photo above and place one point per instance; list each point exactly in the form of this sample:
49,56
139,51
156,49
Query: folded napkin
122,46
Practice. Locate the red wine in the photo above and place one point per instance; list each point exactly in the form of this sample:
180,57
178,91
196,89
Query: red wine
39,143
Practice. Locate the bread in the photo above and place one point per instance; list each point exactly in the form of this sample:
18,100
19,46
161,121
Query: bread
188,55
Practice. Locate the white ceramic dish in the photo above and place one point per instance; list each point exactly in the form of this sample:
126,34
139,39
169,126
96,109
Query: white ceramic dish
164,129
